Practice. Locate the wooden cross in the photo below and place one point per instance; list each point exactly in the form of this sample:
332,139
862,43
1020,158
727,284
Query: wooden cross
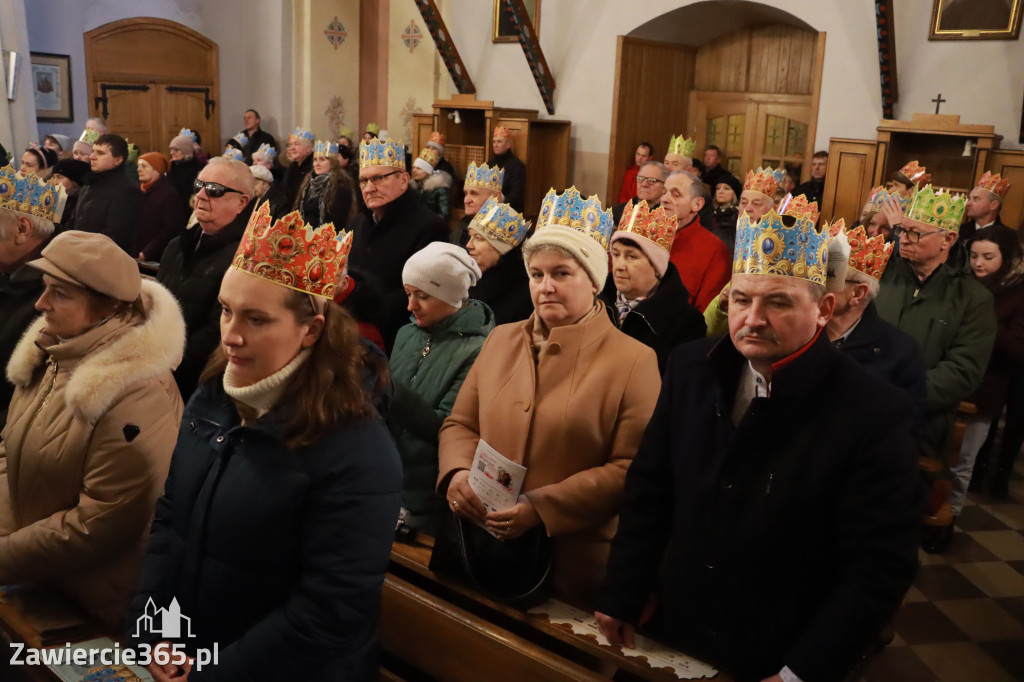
938,102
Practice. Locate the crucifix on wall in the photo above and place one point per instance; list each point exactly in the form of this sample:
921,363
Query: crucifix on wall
939,102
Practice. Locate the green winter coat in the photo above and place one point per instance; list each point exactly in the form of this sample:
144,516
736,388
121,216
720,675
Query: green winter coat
428,367
952,318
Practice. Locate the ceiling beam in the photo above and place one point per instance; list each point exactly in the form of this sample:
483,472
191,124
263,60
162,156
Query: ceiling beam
531,48
446,46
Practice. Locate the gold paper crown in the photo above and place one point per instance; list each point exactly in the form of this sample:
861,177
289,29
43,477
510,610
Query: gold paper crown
288,253
769,247
25,193
89,136
501,222
346,133
500,132
569,209
798,206
373,128
880,197
938,209
868,255
680,146
325,149
916,174
656,226
763,180
995,184
379,152
484,177
431,156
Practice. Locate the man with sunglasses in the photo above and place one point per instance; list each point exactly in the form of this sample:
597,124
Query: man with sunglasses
650,186
393,226
194,263
948,313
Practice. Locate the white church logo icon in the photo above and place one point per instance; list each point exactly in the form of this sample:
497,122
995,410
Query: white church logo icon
166,622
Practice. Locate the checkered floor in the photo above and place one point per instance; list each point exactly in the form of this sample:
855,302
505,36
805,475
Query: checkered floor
963,620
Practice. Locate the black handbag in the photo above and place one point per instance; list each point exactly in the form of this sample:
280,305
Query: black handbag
510,571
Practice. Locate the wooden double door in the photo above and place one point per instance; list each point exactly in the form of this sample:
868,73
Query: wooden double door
150,114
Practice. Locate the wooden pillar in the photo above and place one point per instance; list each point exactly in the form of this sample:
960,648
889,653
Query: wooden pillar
374,21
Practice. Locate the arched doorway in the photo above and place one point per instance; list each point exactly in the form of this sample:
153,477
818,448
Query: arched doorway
738,74
152,77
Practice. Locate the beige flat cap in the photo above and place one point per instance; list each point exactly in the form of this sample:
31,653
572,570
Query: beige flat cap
93,261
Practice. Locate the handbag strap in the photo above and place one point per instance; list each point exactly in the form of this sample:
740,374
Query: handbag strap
467,567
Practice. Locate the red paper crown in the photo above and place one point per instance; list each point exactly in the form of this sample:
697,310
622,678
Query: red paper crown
798,206
916,173
502,133
288,253
657,225
763,181
437,138
994,184
868,255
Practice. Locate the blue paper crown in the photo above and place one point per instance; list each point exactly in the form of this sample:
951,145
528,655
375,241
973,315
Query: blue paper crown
880,197
26,193
233,154
378,152
484,177
500,222
267,151
303,134
569,209
241,138
325,148
188,133
768,247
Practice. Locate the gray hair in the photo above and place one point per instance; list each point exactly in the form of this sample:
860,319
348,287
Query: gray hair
41,227
242,177
659,165
857,277
696,186
99,122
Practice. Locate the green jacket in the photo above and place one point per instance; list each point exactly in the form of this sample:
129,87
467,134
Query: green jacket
952,318
428,367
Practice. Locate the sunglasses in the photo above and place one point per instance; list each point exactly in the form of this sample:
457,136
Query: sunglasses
214,190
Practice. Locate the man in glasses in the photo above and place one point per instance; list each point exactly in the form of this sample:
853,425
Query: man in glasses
650,186
393,226
951,317
110,203
194,263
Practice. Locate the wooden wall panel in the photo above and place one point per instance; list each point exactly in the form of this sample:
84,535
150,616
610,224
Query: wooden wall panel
723,63
775,59
1010,164
851,167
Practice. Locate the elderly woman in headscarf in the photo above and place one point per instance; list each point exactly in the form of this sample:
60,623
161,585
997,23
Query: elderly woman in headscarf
162,216
184,168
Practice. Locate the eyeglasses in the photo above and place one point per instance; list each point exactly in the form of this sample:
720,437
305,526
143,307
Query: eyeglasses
214,190
644,180
375,180
911,236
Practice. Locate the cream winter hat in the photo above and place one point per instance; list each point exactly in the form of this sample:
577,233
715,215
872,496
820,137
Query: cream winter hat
444,271
577,225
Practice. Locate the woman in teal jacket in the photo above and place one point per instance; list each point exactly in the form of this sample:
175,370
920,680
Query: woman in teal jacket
431,358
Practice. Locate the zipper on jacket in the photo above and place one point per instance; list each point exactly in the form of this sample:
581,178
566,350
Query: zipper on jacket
51,369
423,354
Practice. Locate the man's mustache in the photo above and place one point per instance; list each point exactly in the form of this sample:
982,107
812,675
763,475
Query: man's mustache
763,334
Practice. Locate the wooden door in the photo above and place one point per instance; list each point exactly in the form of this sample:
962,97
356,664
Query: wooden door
181,106
129,108
730,126
782,135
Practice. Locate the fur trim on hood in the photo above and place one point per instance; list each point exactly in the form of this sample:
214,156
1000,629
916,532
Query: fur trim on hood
437,179
145,351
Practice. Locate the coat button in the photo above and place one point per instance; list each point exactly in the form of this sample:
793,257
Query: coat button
192,425
554,349
525,405
220,439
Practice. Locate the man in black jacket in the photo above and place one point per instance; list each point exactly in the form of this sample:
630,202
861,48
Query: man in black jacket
194,263
300,153
110,203
257,135
776,528
513,187
393,226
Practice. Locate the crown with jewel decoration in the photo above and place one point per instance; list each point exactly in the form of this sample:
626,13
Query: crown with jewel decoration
868,255
768,247
880,197
288,253
437,141
373,128
26,193
268,152
639,221
241,138
89,136
501,133
303,134
379,152
764,180
915,174
324,149
995,184
501,225
681,146
189,134
233,154
939,209
429,156
798,206
569,209
484,177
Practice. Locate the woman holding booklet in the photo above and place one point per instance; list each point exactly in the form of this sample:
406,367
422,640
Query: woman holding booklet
564,394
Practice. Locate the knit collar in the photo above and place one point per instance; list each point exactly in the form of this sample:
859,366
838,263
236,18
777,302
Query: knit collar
264,394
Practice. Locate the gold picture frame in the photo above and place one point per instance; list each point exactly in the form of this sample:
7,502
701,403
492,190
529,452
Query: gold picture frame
503,31
975,19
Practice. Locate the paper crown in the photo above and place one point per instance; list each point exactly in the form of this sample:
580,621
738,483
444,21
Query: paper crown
880,197
378,152
501,133
268,152
995,184
89,136
939,209
431,156
500,222
656,226
302,134
769,247
764,180
682,147
346,133
571,210
484,177
373,128
324,149
241,138
916,174
437,141
288,253
798,206
868,255
189,134
26,193
233,154
133,152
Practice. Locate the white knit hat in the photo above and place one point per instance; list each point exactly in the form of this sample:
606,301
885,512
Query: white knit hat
443,270
261,173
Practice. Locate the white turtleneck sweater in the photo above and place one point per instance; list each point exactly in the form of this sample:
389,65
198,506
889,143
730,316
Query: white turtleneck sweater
264,394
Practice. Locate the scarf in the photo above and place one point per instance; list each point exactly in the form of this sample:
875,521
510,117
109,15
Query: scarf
264,394
624,305
318,189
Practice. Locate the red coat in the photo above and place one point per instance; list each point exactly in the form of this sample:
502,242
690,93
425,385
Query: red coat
703,263
628,190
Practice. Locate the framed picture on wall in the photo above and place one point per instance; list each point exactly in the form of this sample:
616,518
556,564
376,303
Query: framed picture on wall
51,86
975,19
505,30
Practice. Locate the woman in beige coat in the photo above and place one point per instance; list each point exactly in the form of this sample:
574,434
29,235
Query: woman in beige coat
91,426
565,394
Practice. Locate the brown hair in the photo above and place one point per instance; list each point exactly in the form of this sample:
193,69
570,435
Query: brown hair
341,181
327,390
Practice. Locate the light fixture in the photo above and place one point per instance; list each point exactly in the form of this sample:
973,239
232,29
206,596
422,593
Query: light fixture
968,148
454,117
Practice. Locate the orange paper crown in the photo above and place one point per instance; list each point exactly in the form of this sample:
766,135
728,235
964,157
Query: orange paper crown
656,226
995,184
762,180
798,205
288,253
436,139
502,132
916,173
868,255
